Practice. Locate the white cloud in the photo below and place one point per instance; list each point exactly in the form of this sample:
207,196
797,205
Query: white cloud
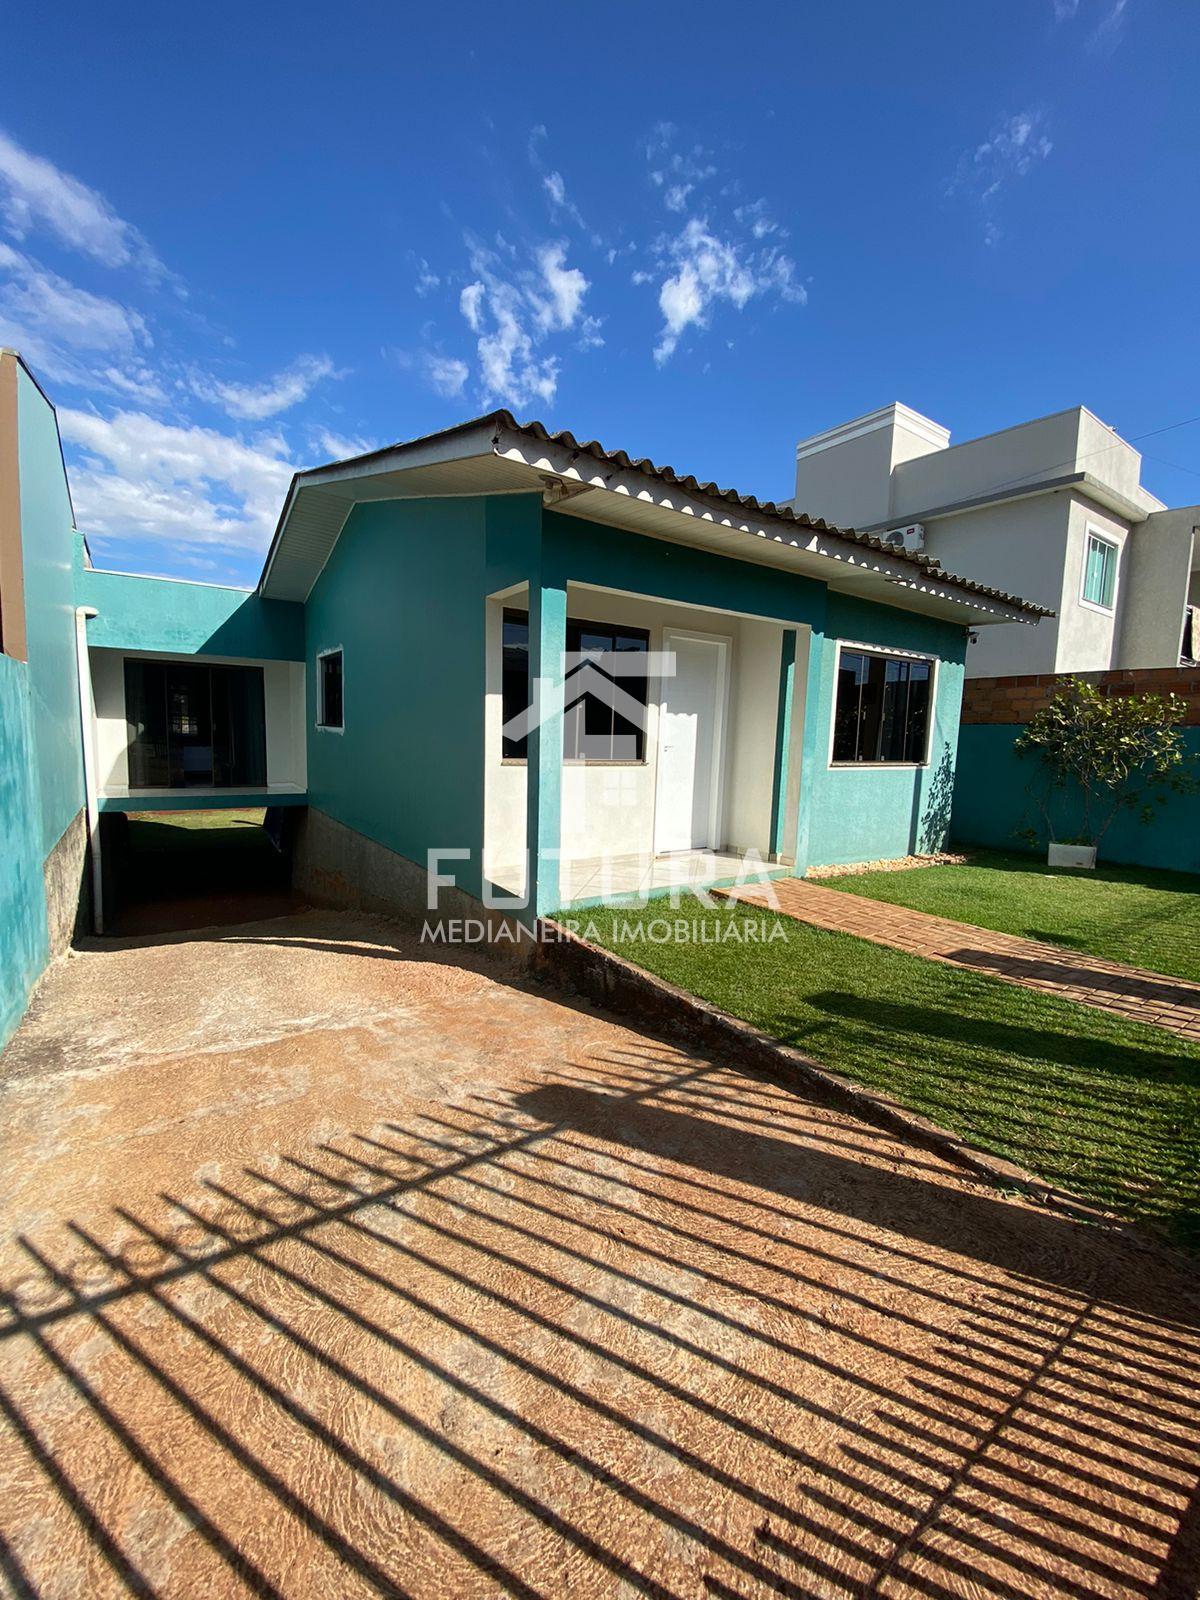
427,279
514,309
705,269
254,402
560,201
756,217
1107,34
139,478
35,195
674,170
1064,10
330,446
470,303
676,196
567,287
58,326
1011,151
447,374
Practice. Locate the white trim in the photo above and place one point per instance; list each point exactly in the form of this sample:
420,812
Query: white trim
904,655
716,799
872,422
87,724
160,577
1090,532
319,724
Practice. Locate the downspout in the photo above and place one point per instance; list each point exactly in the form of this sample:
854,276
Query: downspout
87,725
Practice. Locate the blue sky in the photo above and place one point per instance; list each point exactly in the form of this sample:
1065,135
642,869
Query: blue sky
244,239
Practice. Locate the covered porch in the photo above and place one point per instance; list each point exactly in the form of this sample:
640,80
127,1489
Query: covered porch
664,746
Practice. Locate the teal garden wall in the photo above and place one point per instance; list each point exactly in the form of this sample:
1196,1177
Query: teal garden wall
42,836
162,614
24,937
992,803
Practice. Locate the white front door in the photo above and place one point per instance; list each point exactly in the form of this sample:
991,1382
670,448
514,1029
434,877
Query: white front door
691,729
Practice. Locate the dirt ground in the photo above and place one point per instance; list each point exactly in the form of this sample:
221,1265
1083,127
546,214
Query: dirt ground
331,1269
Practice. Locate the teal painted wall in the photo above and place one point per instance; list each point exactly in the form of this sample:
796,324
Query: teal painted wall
24,938
47,547
845,814
404,595
991,802
188,618
588,552
880,813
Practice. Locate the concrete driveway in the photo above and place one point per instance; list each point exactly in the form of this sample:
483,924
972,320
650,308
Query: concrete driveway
334,1270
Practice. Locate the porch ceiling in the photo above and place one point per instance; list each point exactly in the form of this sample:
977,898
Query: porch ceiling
496,455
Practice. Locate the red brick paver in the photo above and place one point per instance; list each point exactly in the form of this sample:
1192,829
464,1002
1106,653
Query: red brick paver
1131,992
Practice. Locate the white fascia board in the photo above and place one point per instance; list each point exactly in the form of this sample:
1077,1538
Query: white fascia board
457,444
580,467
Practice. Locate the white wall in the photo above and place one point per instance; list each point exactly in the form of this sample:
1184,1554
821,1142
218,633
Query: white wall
283,693
1018,546
1087,637
609,810
1159,581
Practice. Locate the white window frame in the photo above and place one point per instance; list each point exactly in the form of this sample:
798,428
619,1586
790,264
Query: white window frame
321,725
903,655
1092,532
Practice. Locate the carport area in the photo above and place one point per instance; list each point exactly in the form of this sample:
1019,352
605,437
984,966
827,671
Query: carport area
335,1267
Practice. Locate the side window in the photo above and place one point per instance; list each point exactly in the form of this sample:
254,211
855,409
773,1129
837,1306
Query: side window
881,709
1100,572
329,690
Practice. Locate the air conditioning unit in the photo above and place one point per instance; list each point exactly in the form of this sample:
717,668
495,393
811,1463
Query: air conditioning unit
910,539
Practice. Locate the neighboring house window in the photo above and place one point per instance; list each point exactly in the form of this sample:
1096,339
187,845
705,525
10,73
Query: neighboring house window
882,709
329,690
1100,572
594,729
195,726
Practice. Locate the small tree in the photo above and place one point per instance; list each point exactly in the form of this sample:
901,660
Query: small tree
1123,752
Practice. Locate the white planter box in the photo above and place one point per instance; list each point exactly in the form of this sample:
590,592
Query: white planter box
1072,855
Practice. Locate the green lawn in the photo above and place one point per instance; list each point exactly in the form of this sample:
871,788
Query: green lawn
1107,1109
1149,919
197,830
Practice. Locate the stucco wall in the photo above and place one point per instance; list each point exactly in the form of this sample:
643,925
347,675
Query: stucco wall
403,595
24,938
877,813
1087,636
1019,546
47,539
992,804
178,618
1158,583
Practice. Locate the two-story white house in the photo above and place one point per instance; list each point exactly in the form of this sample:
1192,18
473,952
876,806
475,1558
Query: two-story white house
1052,509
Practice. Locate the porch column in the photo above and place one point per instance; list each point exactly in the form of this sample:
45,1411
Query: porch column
815,688
547,643
783,742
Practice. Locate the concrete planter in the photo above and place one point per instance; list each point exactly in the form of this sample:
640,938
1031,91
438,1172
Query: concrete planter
1072,855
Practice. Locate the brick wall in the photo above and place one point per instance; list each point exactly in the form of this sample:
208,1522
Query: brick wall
1014,700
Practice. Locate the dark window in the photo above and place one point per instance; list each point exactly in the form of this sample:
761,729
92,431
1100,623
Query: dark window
329,668
599,724
882,709
195,726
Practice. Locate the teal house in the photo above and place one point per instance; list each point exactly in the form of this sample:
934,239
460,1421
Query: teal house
544,673
494,670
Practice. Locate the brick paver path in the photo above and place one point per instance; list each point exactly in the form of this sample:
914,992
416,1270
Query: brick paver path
1129,991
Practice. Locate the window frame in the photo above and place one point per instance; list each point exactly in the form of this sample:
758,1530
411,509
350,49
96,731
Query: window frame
1098,536
887,655
630,630
321,725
